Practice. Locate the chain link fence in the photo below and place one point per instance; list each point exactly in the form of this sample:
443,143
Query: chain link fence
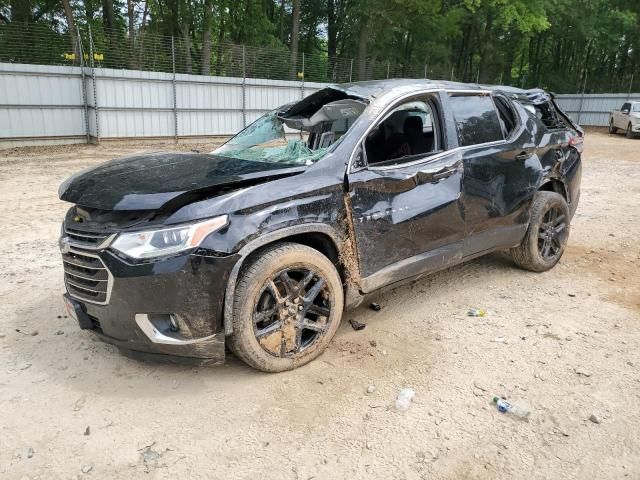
99,47
102,48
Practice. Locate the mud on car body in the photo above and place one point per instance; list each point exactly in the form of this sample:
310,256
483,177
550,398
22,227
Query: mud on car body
262,244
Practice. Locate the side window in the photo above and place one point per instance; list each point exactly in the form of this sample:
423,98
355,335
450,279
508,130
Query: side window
626,106
549,117
408,132
476,119
506,115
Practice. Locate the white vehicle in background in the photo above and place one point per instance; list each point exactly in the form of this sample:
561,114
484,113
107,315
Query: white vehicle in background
627,119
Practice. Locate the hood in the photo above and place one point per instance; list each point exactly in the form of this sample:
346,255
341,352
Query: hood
150,181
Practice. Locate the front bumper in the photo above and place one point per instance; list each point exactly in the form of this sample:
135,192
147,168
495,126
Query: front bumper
171,307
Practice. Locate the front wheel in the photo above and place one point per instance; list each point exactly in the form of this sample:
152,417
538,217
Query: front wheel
287,308
612,129
630,133
547,235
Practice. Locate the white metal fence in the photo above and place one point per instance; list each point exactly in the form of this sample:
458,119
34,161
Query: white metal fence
594,109
53,104
58,104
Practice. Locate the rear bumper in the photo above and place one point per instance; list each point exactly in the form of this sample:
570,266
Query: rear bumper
172,307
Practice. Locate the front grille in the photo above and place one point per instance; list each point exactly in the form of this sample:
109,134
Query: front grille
86,277
87,239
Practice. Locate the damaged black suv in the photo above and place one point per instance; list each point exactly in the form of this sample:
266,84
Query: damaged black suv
263,243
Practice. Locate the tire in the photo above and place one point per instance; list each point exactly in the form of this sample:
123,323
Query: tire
277,326
612,130
547,235
630,133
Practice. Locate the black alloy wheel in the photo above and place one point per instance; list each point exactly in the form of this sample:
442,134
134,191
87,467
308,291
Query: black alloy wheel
547,234
292,311
552,233
287,307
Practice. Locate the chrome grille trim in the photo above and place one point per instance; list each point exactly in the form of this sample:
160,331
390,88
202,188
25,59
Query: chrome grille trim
80,265
85,278
88,240
82,291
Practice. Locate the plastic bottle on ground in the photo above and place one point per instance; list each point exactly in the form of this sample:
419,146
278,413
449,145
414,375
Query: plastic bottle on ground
506,407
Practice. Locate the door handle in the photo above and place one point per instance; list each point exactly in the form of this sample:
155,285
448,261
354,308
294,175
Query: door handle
523,156
444,173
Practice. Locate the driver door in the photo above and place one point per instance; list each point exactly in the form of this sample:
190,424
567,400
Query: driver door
406,210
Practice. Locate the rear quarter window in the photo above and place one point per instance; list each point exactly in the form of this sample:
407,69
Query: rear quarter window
548,115
476,119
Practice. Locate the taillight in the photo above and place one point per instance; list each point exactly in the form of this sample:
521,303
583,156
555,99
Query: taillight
576,140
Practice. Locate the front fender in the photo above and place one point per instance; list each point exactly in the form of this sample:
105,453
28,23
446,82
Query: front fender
262,241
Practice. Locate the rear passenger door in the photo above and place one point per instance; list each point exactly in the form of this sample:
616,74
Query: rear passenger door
500,170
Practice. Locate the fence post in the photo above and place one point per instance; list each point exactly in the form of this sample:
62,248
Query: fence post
95,90
302,84
351,71
630,87
388,67
584,87
175,93
580,107
425,70
244,89
84,87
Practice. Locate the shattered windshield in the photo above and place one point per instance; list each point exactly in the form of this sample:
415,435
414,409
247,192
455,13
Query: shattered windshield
296,140
267,141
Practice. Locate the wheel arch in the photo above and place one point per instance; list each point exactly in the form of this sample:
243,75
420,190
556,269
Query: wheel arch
555,185
318,236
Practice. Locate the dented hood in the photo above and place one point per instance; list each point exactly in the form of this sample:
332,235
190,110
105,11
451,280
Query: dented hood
150,181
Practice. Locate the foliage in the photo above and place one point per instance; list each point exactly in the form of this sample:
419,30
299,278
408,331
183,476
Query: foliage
561,45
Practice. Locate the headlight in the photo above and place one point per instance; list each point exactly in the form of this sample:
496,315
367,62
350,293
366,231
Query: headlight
166,241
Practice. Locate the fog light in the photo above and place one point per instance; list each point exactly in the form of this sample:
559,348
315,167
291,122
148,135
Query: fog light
173,324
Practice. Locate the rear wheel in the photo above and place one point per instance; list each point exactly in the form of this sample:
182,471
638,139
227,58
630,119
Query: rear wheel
547,235
612,128
287,307
630,133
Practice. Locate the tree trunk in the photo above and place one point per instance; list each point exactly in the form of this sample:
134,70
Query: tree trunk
141,32
332,37
205,68
110,33
484,41
185,19
20,11
281,21
107,15
510,56
363,43
132,34
71,26
295,33
221,32
186,40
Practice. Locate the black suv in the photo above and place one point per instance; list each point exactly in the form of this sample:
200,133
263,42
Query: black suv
264,242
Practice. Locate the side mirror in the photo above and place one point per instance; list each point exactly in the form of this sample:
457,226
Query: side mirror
625,111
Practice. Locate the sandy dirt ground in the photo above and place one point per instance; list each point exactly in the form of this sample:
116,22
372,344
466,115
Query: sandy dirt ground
563,343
